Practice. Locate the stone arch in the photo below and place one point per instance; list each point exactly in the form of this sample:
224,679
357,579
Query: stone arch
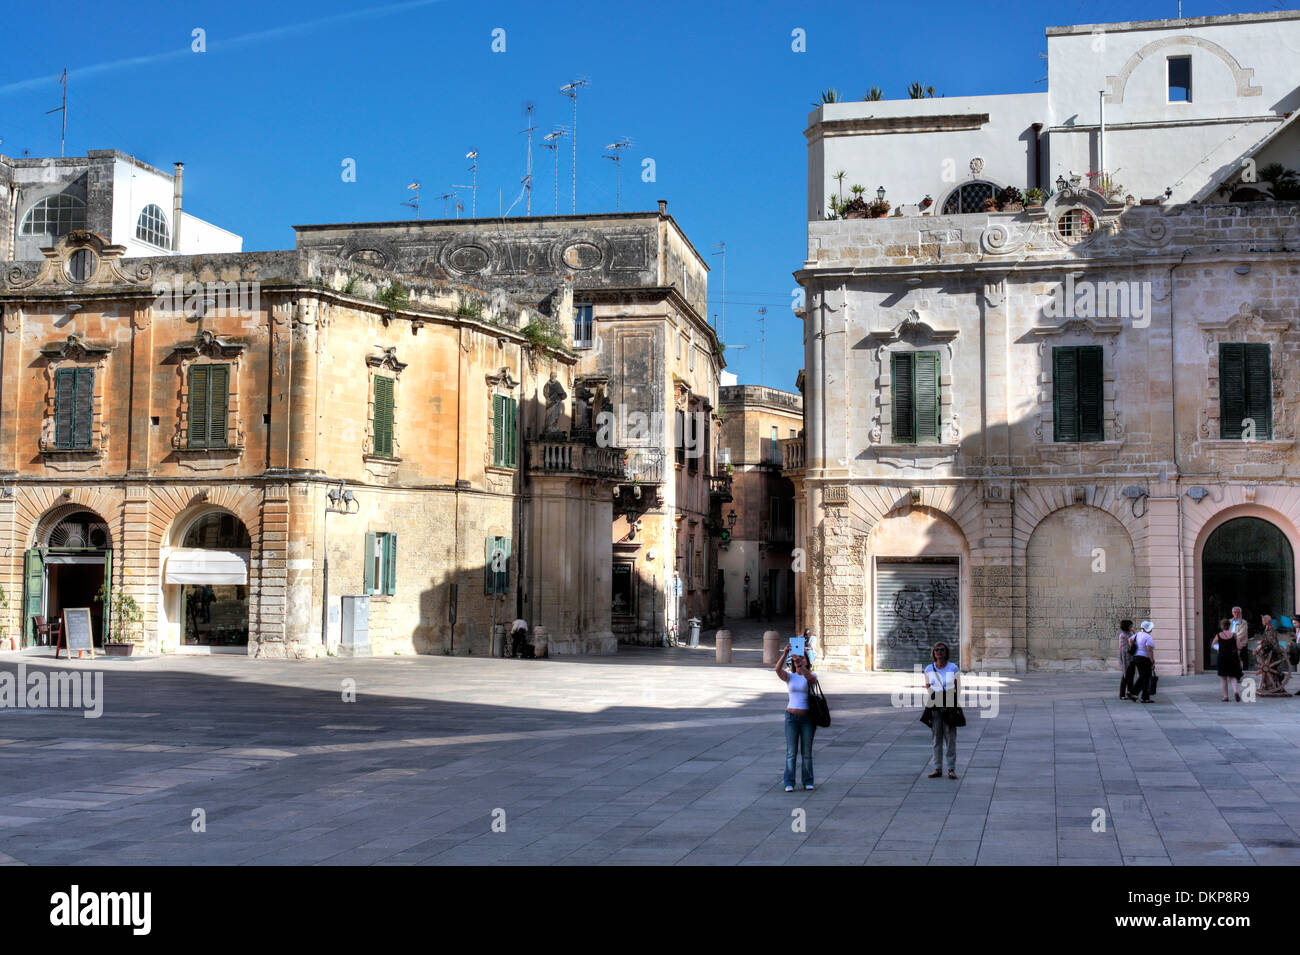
1035,504
42,507
178,505
1241,76
1080,580
996,184
1280,506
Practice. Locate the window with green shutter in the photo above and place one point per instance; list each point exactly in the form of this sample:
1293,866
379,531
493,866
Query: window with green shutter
1078,409
496,565
382,424
74,406
1245,392
380,563
505,436
914,397
209,404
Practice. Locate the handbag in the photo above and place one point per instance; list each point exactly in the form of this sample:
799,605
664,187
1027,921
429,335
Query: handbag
952,715
818,708
1154,680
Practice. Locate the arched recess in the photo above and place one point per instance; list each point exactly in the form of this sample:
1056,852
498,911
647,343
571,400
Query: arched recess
206,581
1036,503
1241,76
916,565
1080,574
1276,506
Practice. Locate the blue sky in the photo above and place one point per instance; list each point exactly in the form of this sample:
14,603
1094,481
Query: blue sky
712,92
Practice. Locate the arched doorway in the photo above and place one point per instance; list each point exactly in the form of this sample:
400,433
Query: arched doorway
68,565
1247,562
205,582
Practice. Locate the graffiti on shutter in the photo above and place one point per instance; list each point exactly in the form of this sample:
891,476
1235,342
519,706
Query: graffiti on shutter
916,605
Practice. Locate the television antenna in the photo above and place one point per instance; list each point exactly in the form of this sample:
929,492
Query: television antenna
719,325
762,346
414,201
571,90
551,141
63,134
472,155
444,197
528,174
618,148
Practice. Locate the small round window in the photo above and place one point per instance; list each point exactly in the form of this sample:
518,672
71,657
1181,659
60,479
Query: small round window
1075,224
81,265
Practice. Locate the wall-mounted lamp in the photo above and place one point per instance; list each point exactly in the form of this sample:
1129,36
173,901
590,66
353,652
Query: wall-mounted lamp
74,307
915,496
1198,493
880,193
1135,494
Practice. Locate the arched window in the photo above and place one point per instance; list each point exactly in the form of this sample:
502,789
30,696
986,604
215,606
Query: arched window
969,197
55,216
1075,224
151,227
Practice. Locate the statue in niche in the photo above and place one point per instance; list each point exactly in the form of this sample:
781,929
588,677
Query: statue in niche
582,406
555,395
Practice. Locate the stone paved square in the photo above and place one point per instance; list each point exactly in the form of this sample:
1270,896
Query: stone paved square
651,756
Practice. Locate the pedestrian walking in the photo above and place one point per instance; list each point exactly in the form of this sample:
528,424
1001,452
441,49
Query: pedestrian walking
945,715
1242,632
1145,658
799,725
1229,661
1127,646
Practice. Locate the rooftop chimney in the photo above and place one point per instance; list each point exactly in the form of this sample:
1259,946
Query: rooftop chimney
663,207
176,205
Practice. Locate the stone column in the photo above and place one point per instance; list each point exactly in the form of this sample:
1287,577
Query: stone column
268,578
137,567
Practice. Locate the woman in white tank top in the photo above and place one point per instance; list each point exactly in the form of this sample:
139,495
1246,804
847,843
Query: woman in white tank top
799,725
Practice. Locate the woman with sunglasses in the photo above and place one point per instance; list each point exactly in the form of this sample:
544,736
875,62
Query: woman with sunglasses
941,680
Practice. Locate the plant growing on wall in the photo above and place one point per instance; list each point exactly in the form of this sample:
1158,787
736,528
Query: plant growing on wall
124,616
543,334
350,286
469,308
394,296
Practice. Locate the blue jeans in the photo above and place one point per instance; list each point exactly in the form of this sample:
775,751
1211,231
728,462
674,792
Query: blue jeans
799,730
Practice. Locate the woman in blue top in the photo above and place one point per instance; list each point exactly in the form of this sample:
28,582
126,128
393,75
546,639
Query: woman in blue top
941,680
799,725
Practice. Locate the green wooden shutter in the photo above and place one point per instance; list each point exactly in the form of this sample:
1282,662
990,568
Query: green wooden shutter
369,585
926,403
1232,389
903,398
65,399
1259,391
219,405
33,592
200,396
383,416
498,430
1091,407
390,563
1065,393
83,415
509,409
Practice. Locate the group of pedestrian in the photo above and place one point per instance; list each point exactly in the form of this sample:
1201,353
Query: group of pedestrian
1137,661
940,681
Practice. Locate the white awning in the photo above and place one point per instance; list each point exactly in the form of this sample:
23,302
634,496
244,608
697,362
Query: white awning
194,565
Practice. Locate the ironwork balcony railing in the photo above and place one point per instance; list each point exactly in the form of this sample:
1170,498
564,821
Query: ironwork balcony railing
720,487
644,465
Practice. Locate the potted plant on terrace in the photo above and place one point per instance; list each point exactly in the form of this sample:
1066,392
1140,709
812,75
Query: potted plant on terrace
1034,197
124,619
1011,200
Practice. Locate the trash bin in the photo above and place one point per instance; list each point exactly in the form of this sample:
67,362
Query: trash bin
695,631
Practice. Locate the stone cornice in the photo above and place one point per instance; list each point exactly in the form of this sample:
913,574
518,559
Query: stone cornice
880,125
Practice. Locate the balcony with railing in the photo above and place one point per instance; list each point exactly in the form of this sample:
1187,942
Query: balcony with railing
720,488
791,454
644,465
553,456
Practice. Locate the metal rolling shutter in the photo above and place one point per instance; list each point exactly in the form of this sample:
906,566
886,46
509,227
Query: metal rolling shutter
916,604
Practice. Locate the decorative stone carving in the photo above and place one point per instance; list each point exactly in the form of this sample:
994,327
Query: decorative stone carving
976,166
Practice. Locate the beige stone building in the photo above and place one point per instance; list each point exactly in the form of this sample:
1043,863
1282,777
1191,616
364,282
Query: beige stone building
759,569
630,292
212,435
1026,420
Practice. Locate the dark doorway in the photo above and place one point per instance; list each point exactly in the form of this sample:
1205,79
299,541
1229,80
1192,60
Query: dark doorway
76,585
1246,563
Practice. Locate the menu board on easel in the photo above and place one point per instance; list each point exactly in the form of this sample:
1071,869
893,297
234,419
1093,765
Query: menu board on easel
76,632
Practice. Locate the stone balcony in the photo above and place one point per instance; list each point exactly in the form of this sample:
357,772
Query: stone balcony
791,454
720,488
557,456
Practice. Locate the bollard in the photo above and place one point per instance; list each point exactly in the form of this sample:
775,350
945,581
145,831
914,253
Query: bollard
771,638
540,641
722,645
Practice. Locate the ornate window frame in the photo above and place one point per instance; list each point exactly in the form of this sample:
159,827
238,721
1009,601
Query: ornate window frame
503,384
386,364
74,352
1078,331
1249,326
208,348
914,333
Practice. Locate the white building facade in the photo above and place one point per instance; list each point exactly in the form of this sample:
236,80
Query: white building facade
1026,421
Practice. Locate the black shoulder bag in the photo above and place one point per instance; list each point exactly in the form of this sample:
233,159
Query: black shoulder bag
818,708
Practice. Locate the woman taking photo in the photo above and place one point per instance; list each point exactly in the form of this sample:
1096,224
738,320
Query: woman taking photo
799,725
941,681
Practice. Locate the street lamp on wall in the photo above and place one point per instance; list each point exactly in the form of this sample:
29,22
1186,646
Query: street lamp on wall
880,193
339,500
